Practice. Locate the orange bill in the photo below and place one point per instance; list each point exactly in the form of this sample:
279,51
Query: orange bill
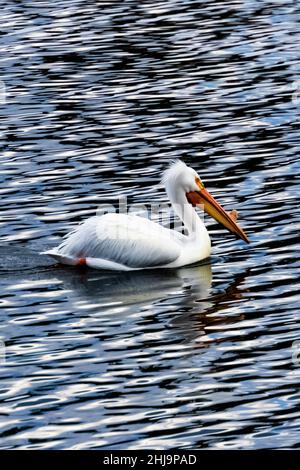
213,208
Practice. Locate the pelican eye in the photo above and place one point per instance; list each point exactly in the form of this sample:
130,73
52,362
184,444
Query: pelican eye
199,183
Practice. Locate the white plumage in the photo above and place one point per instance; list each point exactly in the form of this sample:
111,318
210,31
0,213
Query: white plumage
129,242
118,241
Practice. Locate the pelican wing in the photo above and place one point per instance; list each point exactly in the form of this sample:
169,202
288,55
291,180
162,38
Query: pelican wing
128,240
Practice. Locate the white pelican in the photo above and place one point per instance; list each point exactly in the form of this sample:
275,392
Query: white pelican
129,242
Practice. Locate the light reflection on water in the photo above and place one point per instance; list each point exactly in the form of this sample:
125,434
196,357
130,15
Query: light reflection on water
97,104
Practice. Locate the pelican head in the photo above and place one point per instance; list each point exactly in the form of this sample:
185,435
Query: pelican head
180,178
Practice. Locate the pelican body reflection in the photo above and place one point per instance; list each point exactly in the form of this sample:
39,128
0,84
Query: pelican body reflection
125,294
104,288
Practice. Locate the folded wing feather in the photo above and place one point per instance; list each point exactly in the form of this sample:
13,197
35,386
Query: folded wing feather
125,239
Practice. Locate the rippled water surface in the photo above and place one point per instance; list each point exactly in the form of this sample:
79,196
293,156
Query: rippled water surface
100,96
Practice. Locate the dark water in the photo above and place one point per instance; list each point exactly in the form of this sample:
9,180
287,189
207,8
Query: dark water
100,97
